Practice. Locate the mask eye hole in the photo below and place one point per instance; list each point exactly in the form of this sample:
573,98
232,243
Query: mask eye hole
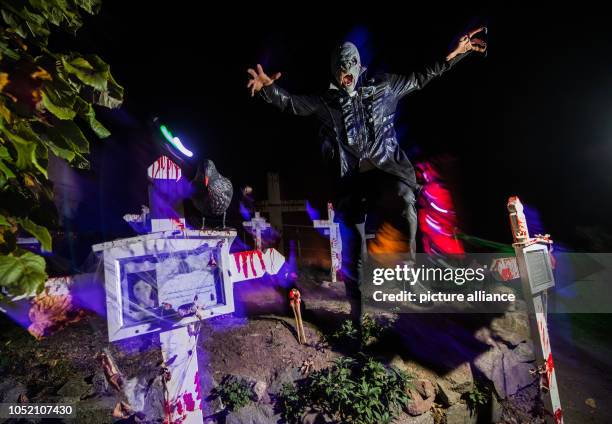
354,61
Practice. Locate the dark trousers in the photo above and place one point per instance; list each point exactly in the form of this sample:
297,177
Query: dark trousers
391,204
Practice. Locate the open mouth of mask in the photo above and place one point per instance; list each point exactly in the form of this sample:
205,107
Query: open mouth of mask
346,66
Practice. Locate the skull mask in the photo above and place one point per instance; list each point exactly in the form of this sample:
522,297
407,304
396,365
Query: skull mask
346,66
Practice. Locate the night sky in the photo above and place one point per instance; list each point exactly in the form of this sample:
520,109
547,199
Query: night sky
533,118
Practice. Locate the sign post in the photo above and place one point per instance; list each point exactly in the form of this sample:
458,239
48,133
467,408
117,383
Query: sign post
535,269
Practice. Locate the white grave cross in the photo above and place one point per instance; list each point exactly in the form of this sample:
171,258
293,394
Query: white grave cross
535,269
335,241
257,225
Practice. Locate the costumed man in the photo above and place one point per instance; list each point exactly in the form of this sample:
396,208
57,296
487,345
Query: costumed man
358,137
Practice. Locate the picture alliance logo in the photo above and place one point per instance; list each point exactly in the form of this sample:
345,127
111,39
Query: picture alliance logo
412,275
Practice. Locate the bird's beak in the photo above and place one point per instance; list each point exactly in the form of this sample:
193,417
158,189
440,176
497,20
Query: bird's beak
206,181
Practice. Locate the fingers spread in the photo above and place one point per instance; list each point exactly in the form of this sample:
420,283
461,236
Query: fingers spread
259,69
252,72
276,76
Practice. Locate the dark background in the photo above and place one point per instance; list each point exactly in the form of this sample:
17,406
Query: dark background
533,118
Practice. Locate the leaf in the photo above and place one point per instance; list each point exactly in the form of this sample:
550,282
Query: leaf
38,231
26,149
92,70
4,222
112,98
60,111
86,112
24,274
67,132
90,6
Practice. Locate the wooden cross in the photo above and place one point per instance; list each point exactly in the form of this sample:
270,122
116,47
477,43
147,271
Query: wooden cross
275,207
335,241
257,225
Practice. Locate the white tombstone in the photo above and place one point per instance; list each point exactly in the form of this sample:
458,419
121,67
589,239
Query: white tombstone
161,283
335,241
167,281
257,225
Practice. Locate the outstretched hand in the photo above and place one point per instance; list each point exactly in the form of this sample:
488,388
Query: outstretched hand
260,79
469,43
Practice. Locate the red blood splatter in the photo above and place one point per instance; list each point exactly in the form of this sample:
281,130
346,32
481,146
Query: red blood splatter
559,416
506,274
189,402
179,407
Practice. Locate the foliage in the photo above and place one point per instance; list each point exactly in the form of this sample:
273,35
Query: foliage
359,391
370,330
479,396
46,107
234,392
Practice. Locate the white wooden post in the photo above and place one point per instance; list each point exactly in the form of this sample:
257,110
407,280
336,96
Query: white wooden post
335,241
535,269
256,226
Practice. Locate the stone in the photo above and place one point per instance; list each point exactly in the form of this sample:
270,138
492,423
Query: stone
10,390
512,327
284,376
422,396
461,379
446,396
312,416
75,388
524,352
459,413
95,411
425,388
259,389
505,369
254,413
426,418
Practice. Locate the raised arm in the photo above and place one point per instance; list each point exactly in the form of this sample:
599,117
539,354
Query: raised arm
272,93
404,84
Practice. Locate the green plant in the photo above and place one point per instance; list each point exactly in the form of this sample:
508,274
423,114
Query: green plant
360,391
290,403
479,396
234,392
46,98
370,330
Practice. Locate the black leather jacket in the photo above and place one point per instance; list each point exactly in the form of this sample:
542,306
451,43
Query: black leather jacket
358,129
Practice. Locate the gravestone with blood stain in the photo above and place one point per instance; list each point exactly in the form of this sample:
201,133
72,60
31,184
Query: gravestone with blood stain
535,269
335,241
165,282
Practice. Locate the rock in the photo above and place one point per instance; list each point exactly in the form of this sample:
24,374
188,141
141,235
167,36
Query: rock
505,369
459,413
254,413
422,397
497,410
10,390
461,379
95,411
524,352
312,416
446,396
75,388
259,389
426,418
286,375
512,327
425,388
